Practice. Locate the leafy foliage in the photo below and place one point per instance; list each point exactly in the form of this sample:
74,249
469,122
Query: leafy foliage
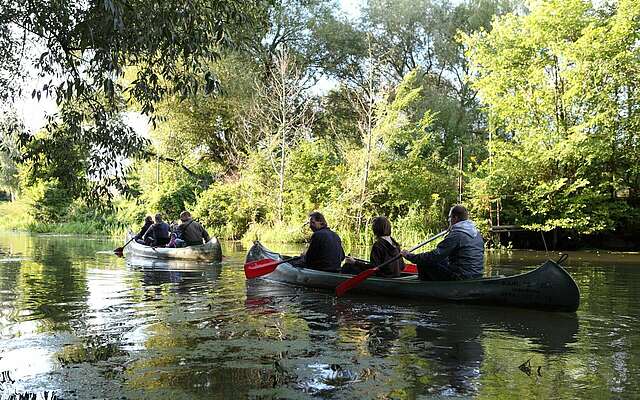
563,103
10,125
88,45
555,142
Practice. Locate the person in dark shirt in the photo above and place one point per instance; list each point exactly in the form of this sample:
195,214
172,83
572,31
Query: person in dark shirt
460,255
325,251
384,248
190,232
159,232
148,221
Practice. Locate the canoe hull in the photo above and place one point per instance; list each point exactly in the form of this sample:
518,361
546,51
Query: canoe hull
549,287
210,251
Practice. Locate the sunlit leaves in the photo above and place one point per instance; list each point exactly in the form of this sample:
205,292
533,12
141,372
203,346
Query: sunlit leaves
565,111
86,46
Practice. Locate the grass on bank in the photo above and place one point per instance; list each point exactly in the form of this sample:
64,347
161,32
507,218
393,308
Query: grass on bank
85,221
16,217
283,233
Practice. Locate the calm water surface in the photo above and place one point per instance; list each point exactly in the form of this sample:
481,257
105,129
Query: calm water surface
79,322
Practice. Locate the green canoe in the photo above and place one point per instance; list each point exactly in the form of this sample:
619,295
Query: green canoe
548,287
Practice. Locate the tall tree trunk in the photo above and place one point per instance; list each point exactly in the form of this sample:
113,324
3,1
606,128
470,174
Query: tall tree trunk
283,145
365,173
367,130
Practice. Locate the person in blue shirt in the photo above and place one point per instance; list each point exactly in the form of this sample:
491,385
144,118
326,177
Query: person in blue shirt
159,232
460,255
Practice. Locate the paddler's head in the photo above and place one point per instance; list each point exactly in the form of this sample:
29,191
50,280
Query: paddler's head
317,221
457,213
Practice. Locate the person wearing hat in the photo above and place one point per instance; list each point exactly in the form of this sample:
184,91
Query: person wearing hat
190,232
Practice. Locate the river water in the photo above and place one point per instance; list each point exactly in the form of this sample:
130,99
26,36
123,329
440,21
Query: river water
78,322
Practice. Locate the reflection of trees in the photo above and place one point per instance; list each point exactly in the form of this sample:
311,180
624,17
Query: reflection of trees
608,284
463,349
49,288
202,340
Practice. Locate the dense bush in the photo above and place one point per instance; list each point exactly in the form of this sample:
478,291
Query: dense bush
228,209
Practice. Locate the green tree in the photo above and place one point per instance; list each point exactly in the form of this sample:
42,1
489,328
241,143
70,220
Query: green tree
562,102
52,183
86,48
208,131
9,153
281,116
413,170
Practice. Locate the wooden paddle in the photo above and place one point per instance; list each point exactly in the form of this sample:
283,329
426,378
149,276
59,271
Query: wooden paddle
119,250
350,283
265,266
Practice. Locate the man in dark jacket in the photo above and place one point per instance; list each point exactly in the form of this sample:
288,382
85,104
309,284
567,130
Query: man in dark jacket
190,232
459,256
159,232
325,251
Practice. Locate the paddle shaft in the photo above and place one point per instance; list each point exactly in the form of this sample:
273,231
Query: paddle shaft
289,259
120,249
397,257
350,283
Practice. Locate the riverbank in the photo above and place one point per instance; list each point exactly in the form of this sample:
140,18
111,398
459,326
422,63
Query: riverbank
84,221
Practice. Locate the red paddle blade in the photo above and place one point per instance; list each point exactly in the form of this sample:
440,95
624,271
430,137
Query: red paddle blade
258,268
350,283
410,269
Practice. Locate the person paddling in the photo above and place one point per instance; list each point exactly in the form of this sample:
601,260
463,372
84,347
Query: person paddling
148,221
384,248
325,251
460,255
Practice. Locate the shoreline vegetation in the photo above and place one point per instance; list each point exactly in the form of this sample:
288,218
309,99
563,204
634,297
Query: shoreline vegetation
525,113
109,223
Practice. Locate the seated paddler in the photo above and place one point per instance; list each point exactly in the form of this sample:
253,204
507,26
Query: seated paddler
159,232
148,221
459,256
325,251
190,232
384,248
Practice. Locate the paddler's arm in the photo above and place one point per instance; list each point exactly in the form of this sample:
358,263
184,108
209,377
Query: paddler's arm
442,251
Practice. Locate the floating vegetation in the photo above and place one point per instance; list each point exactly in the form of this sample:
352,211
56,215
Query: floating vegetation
91,351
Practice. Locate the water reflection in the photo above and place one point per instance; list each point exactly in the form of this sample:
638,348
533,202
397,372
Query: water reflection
93,325
439,347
